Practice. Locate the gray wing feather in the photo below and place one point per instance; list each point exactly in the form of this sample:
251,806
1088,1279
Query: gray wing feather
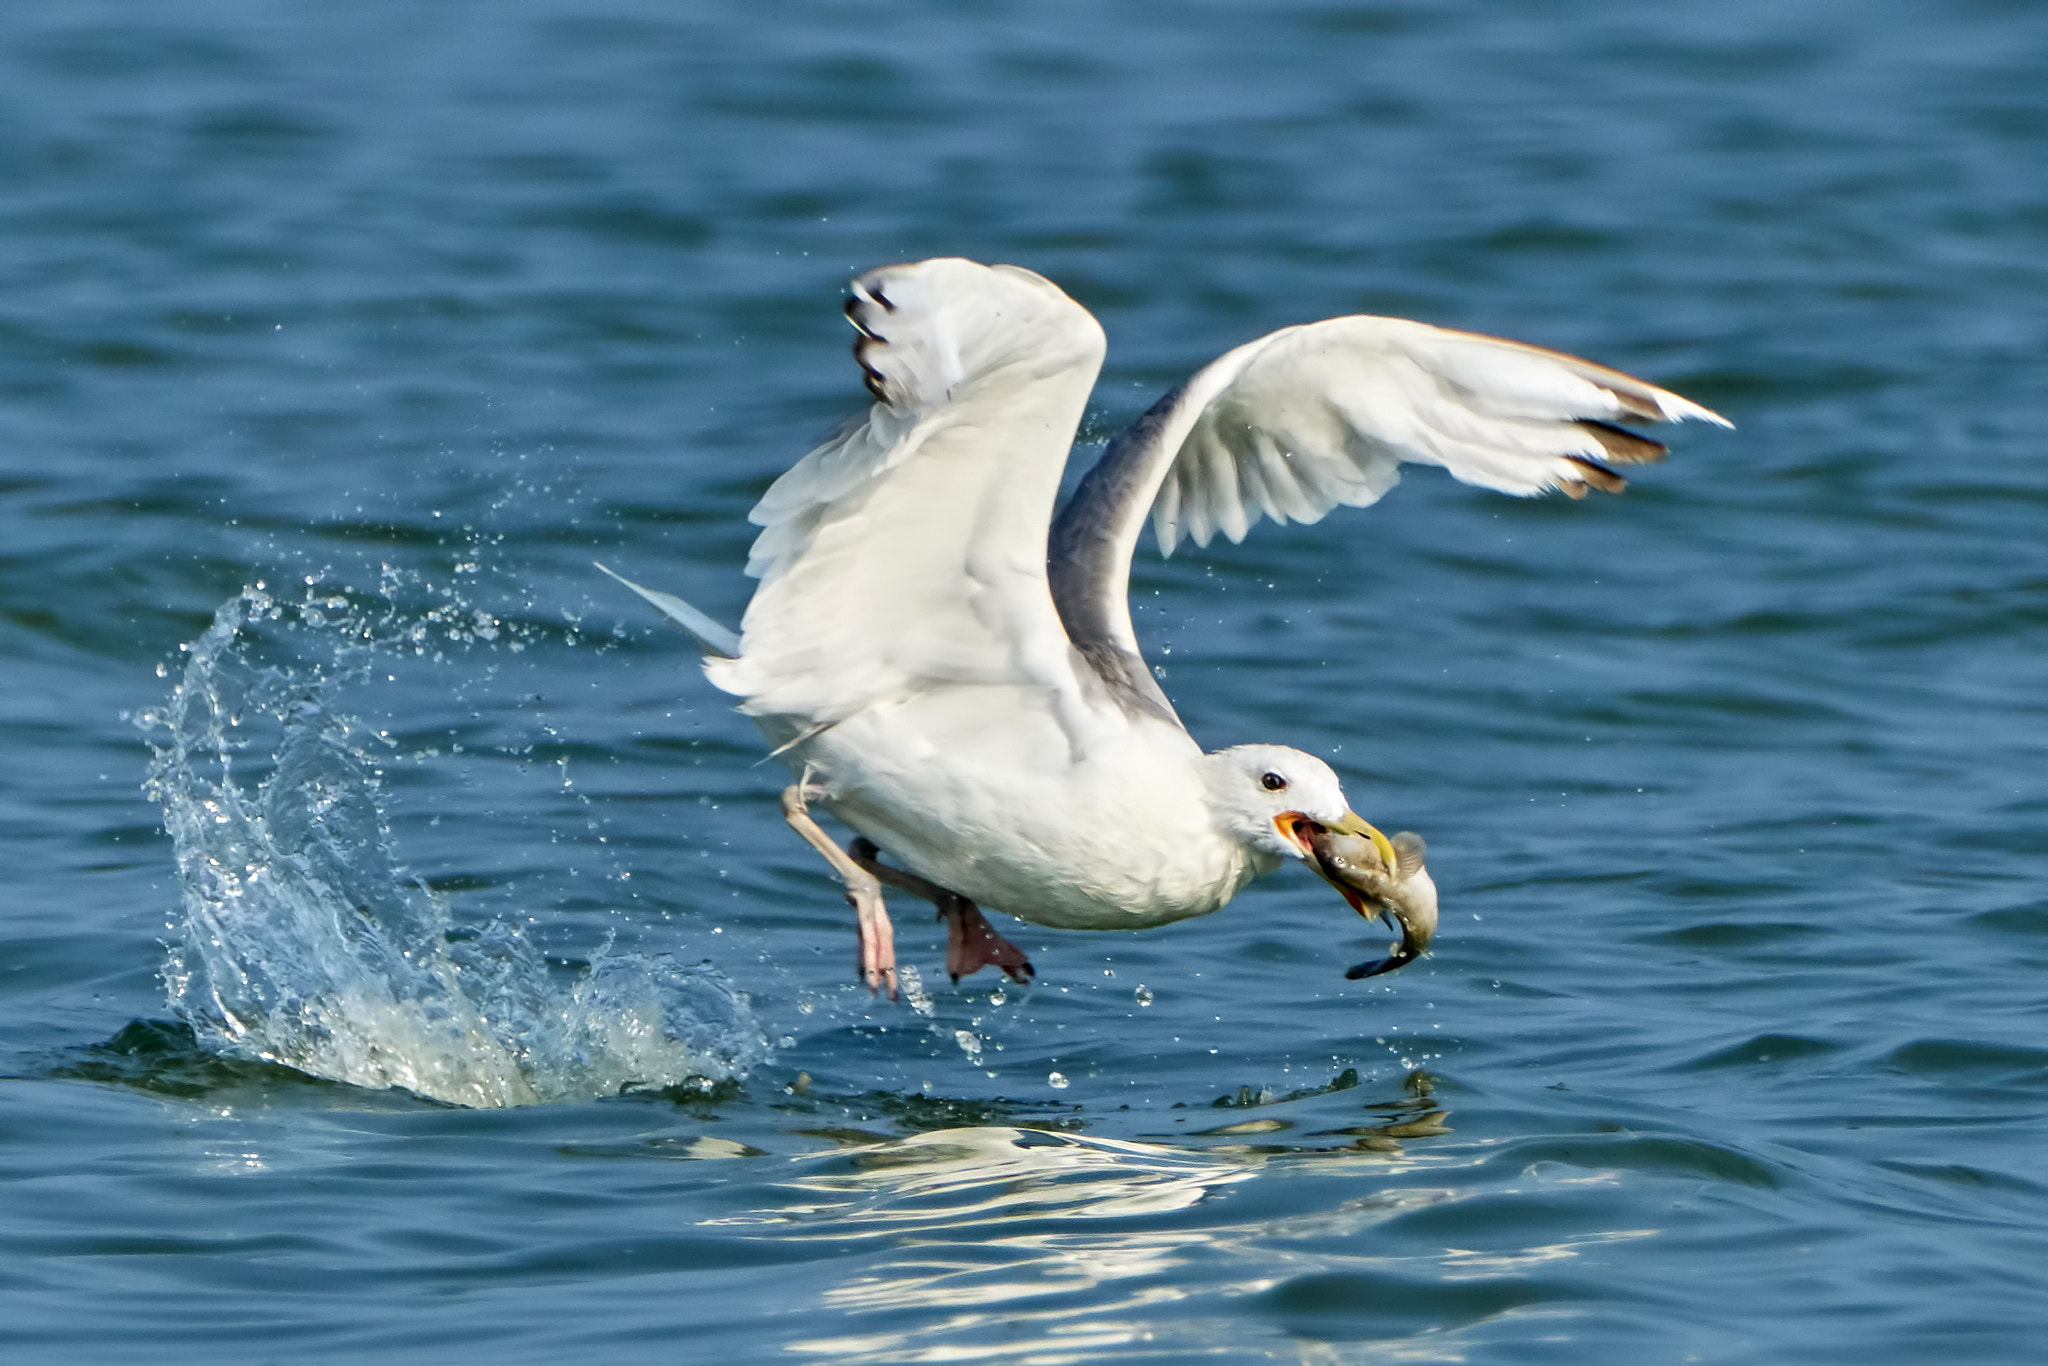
1088,560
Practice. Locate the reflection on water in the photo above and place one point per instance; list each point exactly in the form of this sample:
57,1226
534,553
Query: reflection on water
1084,1213
1001,1243
933,1190
933,1180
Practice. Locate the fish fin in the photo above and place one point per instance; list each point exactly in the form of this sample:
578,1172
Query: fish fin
1409,849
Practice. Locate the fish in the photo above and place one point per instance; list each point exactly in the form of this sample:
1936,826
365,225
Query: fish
1403,895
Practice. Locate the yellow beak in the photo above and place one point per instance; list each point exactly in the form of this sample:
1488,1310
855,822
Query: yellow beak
1351,823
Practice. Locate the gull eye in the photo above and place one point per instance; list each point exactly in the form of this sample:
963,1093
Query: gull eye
1273,782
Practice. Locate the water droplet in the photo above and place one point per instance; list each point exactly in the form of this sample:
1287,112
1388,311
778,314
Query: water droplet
998,996
1057,1081
1143,995
913,989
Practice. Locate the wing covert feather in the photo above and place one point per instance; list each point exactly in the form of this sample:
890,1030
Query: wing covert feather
1314,417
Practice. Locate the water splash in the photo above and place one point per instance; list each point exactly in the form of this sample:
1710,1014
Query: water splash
305,943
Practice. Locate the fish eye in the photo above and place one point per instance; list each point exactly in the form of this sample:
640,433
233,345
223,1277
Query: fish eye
1273,782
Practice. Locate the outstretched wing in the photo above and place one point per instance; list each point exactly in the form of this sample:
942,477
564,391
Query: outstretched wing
909,551
1307,418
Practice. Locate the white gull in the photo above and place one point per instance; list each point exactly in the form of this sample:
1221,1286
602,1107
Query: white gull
950,670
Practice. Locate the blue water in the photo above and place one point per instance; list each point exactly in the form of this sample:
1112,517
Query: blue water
336,342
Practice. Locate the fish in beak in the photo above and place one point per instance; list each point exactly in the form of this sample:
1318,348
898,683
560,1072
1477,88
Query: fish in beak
1379,877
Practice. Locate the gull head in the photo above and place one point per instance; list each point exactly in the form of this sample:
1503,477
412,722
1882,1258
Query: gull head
1281,803
1273,799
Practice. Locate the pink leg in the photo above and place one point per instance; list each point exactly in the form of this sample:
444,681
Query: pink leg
877,965
971,942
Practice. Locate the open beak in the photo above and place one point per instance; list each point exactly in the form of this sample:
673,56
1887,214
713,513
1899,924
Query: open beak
1301,832
1362,863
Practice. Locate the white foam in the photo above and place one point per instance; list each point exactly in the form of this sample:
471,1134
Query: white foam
304,942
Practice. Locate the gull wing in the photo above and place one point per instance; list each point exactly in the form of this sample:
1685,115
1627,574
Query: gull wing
1307,418
908,552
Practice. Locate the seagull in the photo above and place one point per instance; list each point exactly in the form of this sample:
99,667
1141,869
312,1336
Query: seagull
949,669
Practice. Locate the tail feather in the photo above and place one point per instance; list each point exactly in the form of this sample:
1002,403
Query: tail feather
715,639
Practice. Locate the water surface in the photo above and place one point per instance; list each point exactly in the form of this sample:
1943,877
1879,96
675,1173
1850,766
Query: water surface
367,330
